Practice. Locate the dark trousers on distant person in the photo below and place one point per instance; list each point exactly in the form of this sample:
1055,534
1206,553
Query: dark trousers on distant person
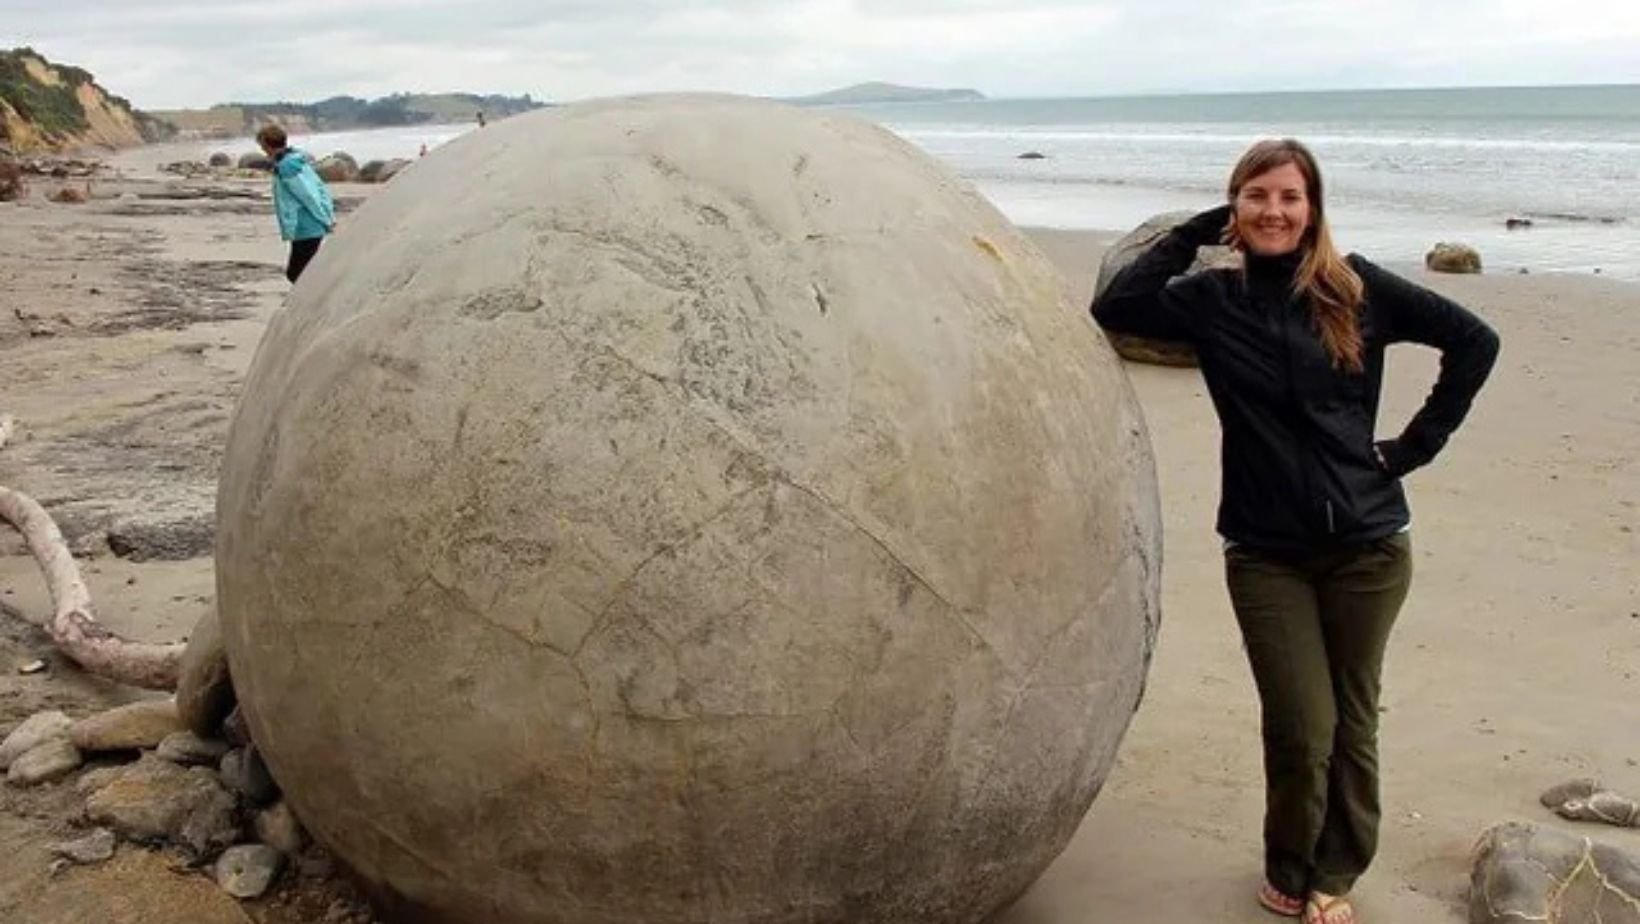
1315,626
301,252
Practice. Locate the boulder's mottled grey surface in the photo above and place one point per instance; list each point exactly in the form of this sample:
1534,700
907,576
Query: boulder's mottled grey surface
1128,249
32,732
204,689
680,509
1525,873
142,724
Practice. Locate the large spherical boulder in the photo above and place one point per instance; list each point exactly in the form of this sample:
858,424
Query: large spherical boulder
1128,249
683,509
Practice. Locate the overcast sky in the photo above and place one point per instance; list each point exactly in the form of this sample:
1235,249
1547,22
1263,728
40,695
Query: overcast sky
191,53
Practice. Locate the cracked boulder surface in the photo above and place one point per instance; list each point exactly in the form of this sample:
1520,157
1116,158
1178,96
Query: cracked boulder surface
1524,873
1120,254
681,509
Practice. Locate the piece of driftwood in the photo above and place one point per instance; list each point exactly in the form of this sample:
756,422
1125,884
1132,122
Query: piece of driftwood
73,626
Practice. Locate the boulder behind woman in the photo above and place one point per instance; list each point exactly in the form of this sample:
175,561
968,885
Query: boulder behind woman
1128,249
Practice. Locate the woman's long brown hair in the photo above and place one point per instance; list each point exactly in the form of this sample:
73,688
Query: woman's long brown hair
1324,280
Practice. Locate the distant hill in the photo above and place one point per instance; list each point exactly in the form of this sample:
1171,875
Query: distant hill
878,92
55,107
342,113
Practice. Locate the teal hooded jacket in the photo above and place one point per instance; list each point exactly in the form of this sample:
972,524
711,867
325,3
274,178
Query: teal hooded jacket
300,199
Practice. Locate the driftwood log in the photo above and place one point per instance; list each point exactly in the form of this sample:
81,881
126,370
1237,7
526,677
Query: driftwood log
73,626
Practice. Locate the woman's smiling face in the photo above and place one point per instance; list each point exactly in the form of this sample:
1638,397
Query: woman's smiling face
1273,211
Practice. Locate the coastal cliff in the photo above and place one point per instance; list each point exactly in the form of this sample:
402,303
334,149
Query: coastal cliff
47,107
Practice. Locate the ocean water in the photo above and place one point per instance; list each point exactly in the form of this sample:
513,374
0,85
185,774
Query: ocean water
1404,168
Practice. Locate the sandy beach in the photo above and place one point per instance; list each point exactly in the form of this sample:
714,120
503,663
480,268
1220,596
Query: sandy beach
129,322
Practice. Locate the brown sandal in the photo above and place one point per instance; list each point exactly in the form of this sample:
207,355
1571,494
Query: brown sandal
1275,901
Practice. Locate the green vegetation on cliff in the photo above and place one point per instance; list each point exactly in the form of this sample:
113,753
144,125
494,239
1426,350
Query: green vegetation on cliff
55,109
47,105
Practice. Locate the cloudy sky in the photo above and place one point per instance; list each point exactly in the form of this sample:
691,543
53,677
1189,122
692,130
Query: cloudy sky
187,53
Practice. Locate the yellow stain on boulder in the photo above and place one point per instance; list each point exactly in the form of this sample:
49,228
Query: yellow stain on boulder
989,248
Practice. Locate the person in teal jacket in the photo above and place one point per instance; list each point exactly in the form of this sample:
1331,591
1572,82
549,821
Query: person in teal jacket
301,201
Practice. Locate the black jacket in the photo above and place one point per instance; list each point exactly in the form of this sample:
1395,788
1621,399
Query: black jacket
1297,453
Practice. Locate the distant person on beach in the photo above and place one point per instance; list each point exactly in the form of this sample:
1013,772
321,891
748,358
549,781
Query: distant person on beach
301,200
1318,554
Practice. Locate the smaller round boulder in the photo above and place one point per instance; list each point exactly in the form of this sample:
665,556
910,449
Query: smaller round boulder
339,167
221,159
253,160
11,180
1452,258
380,171
1128,249
204,690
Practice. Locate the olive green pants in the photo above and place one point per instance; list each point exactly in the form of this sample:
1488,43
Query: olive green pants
1315,625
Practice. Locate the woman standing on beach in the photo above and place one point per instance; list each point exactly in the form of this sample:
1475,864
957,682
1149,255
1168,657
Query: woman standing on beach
1318,555
301,201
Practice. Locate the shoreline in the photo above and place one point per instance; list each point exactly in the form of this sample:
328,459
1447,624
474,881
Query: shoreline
1065,192
1513,667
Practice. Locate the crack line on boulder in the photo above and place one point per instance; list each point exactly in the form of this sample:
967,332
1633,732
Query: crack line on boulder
689,535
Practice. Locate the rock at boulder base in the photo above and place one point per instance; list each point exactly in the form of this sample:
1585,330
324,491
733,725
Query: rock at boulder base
33,732
702,433
188,749
278,828
244,772
205,694
47,762
156,801
248,870
142,724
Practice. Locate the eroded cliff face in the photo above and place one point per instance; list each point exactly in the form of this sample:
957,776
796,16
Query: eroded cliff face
48,107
